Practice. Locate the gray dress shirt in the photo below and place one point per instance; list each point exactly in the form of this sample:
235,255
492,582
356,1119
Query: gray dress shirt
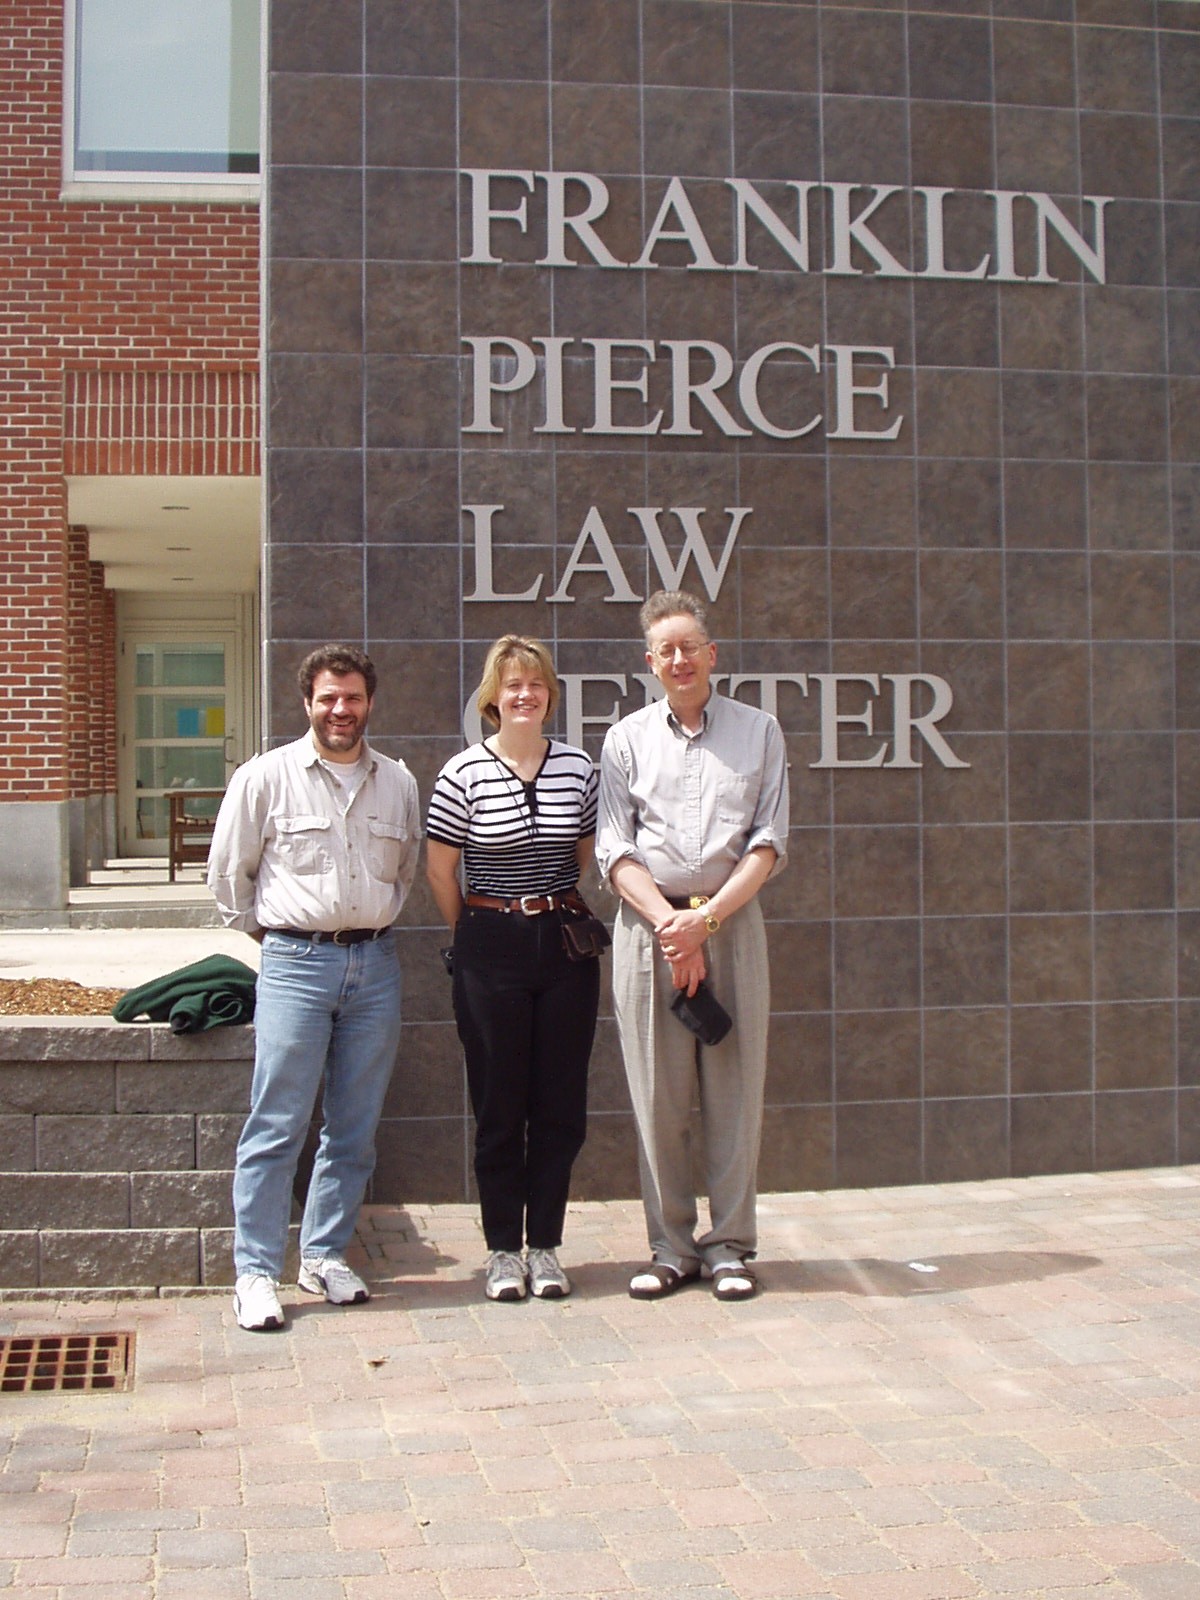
689,807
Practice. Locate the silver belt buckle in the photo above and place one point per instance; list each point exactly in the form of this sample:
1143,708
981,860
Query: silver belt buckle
338,940
535,911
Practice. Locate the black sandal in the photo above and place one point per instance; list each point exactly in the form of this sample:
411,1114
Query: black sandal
724,1289
667,1280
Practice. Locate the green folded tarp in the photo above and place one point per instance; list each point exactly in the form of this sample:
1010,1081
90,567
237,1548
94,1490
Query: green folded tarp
203,995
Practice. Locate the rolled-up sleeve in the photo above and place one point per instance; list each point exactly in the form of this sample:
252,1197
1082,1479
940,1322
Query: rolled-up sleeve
616,830
235,853
412,842
772,812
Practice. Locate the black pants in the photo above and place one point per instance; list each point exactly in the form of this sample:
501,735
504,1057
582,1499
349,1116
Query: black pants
526,1016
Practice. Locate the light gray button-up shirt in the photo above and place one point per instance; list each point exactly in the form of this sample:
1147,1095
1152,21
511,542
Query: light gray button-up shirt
293,848
689,807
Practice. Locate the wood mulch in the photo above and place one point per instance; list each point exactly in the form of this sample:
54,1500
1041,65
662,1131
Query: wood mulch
54,997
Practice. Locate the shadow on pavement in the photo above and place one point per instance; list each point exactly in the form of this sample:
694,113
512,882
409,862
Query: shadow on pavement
869,1276
924,1275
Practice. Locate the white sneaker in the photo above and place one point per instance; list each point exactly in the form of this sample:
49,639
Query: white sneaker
330,1276
505,1276
547,1280
256,1303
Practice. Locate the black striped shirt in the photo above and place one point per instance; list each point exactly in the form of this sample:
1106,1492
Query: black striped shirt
516,838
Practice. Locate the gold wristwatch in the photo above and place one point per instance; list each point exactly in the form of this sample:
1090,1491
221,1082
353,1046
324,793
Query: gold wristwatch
697,902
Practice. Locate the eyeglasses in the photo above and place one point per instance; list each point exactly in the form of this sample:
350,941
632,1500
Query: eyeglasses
689,649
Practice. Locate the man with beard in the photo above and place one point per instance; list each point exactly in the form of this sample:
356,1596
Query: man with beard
313,854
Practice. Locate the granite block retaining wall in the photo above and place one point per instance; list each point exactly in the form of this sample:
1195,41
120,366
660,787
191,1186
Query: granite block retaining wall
116,1153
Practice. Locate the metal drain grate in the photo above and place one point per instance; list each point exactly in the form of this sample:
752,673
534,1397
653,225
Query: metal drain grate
58,1361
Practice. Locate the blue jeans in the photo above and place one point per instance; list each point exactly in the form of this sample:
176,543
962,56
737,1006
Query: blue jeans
324,1013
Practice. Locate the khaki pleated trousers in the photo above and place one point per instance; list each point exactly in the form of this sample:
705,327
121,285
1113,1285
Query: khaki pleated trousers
669,1070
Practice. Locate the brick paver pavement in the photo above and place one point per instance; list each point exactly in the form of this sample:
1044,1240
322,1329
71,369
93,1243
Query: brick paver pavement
987,1391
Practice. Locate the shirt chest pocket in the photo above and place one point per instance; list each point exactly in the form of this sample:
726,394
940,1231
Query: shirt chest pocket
303,845
735,800
386,840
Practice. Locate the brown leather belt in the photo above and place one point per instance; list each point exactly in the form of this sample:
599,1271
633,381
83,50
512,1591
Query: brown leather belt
338,936
686,902
530,905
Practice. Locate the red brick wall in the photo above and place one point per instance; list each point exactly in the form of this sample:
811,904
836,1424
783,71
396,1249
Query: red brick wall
102,694
79,650
81,285
91,674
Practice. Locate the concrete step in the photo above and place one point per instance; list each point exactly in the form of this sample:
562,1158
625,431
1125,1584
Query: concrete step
181,914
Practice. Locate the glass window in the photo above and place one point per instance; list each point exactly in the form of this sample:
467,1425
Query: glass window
164,91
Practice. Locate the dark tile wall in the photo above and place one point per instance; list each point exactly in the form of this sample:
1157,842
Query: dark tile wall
976,971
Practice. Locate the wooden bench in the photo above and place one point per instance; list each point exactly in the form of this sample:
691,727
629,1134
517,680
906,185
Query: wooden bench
189,835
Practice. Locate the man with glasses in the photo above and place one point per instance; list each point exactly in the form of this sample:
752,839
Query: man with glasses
693,821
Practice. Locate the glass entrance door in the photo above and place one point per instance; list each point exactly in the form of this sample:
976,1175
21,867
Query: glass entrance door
187,709
179,715
179,731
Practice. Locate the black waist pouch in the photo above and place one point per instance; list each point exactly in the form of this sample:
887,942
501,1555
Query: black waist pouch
584,936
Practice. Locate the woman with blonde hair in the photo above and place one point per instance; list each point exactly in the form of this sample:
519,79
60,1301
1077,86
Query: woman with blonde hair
518,811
